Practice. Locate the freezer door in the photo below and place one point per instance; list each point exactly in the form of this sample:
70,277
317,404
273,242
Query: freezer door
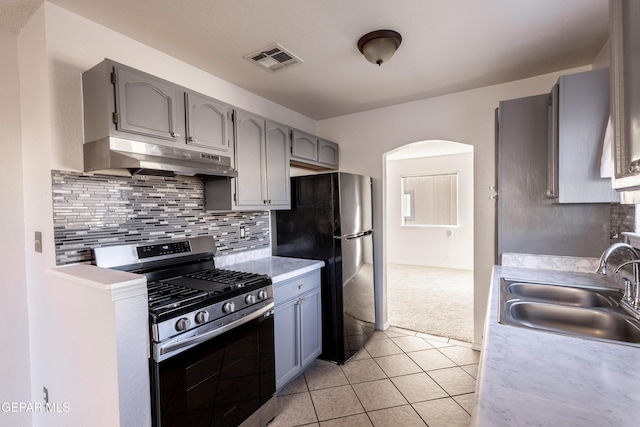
355,208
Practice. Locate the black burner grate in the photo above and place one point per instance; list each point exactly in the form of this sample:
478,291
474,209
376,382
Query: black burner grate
165,295
235,279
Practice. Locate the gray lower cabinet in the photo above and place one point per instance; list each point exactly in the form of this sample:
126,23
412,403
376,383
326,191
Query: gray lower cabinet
262,161
298,325
313,152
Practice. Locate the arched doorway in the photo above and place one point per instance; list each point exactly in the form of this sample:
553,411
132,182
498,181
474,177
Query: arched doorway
429,238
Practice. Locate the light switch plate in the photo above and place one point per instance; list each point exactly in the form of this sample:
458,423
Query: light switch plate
37,240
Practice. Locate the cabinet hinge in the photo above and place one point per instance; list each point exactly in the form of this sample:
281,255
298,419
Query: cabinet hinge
113,77
114,117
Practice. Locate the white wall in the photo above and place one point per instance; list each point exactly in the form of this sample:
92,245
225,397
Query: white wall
14,344
465,117
447,247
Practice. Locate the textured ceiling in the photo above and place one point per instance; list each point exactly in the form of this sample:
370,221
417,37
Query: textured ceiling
15,13
448,45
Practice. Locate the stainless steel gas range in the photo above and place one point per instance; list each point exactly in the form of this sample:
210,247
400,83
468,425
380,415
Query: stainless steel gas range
211,332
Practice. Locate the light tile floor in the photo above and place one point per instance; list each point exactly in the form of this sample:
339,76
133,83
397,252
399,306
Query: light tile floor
401,378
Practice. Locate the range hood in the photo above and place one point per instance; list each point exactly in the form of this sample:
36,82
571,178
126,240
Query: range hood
153,159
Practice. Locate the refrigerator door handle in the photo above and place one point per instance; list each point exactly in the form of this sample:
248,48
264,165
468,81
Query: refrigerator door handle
354,235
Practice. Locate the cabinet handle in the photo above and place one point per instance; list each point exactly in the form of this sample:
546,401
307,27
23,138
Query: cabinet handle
175,135
193,139
634,167
300,286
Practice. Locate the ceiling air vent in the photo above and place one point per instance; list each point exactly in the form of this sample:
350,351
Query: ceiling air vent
274,58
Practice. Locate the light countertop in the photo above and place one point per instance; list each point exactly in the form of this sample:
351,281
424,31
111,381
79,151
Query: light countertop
536,378
278,268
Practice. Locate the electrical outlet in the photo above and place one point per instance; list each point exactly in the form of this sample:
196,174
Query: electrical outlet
37,241
45,395
242,232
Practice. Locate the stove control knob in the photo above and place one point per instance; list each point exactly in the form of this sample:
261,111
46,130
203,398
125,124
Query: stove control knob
229,307
250,299
183,324
202,317
262,295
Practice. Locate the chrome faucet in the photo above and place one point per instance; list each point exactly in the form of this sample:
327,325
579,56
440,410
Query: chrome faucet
631,291
604,258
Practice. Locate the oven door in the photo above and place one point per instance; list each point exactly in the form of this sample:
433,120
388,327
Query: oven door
219,382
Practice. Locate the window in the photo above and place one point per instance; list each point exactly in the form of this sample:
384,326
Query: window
430,200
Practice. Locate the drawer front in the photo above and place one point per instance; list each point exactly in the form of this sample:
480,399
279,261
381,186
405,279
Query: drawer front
295,287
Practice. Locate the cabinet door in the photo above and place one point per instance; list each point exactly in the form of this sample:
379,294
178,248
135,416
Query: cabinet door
148,106
286,332
328,153
250,184
277,166
624,34
304,146
310,327
207,123
582,120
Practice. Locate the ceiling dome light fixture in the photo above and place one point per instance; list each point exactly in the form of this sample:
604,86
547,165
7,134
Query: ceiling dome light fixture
379,46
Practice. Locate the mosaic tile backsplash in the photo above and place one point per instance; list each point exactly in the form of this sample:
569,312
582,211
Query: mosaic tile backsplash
623,218
91,210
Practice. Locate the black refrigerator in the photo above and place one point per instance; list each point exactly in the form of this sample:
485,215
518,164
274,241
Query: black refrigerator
331,220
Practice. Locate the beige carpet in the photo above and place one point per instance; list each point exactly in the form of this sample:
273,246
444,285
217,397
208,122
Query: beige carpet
436,301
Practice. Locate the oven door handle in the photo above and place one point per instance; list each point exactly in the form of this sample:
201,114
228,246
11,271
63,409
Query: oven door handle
175,347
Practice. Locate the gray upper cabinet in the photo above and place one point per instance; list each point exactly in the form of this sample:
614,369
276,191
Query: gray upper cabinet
250,183
304,147
262,161
147,106
624,40
277,165
123,102
328,153
208,123
312,152
579,112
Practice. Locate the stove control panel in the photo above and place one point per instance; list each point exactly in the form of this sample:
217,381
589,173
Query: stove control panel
150,251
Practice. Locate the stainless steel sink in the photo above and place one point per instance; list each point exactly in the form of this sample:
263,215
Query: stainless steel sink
577,321
566,295
579,311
